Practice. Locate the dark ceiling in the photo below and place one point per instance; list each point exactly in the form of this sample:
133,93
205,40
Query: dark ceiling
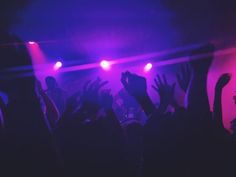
85,30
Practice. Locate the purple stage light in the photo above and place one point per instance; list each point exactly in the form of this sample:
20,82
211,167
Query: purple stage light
31,42
148,67
106,65
57,65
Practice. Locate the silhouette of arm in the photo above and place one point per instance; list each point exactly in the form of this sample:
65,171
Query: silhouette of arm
137,87
88,105
146,104
106,101
197,98
51,109
165,91
217,109
184,77
197,94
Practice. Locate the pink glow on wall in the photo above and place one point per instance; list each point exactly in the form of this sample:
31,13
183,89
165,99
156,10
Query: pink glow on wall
224,64
41,66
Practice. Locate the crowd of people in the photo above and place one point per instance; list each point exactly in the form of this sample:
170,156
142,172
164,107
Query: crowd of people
42,134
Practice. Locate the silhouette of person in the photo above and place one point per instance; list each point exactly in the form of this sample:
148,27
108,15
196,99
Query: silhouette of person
55,93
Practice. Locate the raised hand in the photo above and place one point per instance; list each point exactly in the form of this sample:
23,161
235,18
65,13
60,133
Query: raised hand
137,87
90,96
134,84
184,77
197,97
165,91
223,80
51,109
217,108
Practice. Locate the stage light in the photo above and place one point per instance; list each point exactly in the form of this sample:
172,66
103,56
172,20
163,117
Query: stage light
148,67
57,65
105,65
32,42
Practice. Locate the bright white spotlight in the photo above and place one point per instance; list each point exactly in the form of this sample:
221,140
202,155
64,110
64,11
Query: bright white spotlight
148,67
32,42
105,65
57,65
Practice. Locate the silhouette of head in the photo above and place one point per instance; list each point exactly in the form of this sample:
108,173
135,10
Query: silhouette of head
51,82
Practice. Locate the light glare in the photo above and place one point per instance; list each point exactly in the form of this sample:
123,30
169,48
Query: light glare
32,42
148,67
105,64
58,65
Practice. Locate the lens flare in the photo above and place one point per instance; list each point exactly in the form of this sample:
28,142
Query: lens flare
31,42
105,65
57,65
148,67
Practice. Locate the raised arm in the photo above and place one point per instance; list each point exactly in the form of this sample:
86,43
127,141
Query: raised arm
137,87
217,109
197,98
184,77
88,106
166,93
51,110
106,101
